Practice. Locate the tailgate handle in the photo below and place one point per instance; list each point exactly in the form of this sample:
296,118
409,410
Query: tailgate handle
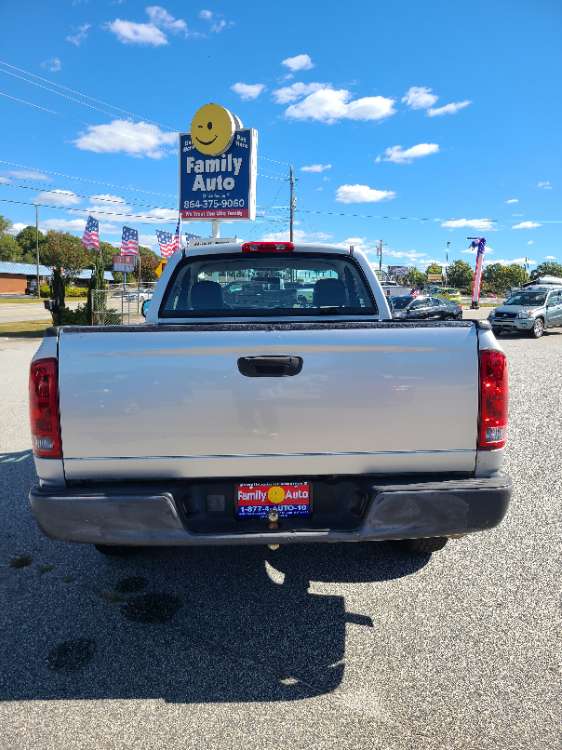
269,366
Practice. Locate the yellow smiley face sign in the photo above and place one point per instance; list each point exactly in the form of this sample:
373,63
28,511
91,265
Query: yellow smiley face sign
212,129
276,495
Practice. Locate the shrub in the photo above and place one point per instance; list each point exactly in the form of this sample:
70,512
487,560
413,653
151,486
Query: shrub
45,290
76,291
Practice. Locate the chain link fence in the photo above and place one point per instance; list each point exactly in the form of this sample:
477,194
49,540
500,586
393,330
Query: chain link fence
120,304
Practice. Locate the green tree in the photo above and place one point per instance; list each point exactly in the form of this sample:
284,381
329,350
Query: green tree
9,248
498,278
149,261
26,240
434,268
460,274
415,278
64,251
5,224
548,268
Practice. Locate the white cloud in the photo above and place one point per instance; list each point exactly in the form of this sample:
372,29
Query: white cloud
53,65
362,194
148,240
399,155
297,90
473,250
158,216
526,225
448,109
160,17
248,91
530,242
15,228
298,62
4,180
29,174
79,34
412,255
550,257
545,185
316,168
218,24
60,197
299,236
76,225
106,203
468,224
513,261
419,97
129,32
124,136
329,105
512,200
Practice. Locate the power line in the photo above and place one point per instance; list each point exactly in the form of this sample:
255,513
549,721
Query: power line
29,104
86,179
53,86
84,96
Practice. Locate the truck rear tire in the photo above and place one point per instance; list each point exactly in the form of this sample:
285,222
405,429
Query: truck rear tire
115,550
424,546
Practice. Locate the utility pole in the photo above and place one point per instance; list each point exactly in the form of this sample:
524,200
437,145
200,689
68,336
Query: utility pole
292,202
37,247
447,263
379,253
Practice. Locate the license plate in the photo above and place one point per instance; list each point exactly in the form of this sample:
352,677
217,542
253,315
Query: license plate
255,500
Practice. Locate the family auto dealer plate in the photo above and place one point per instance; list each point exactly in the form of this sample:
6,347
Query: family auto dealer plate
287,498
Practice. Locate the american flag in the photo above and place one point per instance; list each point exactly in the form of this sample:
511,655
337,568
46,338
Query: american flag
130,242
91,236
168,242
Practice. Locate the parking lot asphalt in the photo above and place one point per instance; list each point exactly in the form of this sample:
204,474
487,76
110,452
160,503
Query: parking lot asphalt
354,646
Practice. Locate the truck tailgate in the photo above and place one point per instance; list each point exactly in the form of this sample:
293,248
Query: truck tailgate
172,403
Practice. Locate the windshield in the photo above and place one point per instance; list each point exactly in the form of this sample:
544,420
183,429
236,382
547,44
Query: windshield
534,299
399,303
250,285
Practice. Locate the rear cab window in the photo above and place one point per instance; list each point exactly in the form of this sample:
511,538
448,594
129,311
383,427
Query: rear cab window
256,285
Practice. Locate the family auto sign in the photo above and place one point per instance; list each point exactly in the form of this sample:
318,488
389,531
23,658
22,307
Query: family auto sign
218,167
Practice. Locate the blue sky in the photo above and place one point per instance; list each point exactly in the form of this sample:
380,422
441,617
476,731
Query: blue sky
445,111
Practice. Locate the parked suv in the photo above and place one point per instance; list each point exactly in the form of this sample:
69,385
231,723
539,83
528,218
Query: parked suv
529,311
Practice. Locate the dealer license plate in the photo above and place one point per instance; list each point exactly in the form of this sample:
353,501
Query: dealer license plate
255,500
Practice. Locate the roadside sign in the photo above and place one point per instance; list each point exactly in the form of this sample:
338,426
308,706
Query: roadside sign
159,270
434,277
124,263
218,167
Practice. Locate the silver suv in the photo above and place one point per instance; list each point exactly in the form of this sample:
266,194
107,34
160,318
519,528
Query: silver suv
530,311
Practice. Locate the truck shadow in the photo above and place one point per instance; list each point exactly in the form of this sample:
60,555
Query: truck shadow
231,624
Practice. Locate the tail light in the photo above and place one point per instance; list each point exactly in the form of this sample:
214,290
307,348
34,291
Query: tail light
267,247
44,408
494,392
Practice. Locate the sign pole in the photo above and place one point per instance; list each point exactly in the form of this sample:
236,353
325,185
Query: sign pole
216,229
37,247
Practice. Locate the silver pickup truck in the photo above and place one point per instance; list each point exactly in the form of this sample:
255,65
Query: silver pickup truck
245,412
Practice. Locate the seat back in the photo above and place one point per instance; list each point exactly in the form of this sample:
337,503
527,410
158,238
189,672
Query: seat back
206,295
329,293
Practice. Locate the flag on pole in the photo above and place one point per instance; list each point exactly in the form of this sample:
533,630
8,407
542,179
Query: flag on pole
91,236
480,245
168,242
130,242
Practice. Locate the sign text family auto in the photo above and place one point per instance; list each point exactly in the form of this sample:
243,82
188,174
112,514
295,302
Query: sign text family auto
217,167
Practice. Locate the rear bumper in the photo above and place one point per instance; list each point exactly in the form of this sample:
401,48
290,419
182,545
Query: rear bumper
133,515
